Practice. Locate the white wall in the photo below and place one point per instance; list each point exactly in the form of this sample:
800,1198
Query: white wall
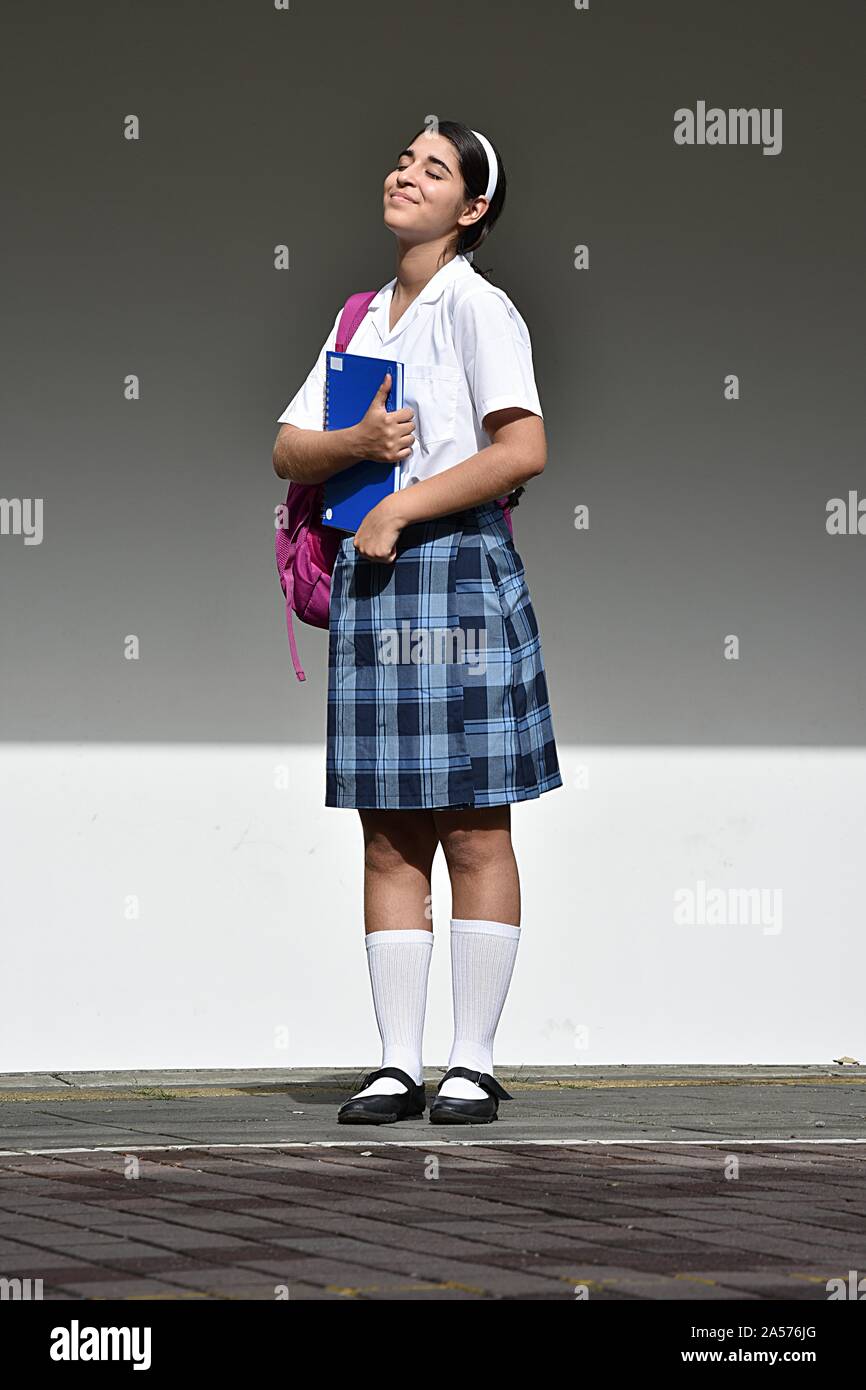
248,950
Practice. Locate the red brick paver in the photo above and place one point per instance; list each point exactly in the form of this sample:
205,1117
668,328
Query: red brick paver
651,1222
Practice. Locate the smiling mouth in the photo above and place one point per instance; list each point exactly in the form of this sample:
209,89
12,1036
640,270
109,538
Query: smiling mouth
402,197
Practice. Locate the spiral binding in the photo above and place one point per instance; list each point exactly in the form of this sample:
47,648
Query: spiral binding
324,426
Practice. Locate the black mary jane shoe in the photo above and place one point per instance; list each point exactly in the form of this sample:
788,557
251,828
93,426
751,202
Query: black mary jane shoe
384,1109
450,1110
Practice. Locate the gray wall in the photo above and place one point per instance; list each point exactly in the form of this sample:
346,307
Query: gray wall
261,127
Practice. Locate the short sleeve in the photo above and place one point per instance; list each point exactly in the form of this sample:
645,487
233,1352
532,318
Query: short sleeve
492,341
306,408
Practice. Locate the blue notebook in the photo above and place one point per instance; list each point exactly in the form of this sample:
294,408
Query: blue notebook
351,382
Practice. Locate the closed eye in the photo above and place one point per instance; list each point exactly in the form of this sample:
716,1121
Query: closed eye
429,172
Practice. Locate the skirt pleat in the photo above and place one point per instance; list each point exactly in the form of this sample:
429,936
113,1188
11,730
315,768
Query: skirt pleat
437,695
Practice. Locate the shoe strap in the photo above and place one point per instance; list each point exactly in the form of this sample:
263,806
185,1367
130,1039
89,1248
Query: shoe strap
483,1079
394,1072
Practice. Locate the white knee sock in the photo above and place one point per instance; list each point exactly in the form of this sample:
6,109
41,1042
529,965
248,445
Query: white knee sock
482,961
399,964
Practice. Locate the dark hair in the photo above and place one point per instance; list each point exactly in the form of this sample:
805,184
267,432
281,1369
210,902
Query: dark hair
472,159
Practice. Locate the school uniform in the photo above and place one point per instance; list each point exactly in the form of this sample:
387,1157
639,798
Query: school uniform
411,730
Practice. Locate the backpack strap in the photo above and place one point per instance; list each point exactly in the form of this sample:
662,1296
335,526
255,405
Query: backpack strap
354,311
293,646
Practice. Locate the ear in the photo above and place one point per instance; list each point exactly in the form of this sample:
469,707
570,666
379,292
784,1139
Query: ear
474,212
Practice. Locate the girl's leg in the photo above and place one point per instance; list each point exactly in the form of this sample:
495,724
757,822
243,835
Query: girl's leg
485,931
399,847
481,864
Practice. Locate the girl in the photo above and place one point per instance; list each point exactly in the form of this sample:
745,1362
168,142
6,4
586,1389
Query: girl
431,746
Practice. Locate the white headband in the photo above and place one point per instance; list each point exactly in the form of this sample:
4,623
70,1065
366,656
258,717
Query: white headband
492,165
492,174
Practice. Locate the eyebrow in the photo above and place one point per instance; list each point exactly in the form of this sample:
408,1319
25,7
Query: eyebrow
430,157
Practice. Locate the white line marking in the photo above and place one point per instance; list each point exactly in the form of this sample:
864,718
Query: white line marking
409,1144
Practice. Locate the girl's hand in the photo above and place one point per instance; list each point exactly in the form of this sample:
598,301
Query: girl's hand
386,435
376,537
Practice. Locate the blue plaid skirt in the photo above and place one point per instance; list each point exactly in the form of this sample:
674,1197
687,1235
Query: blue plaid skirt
436,688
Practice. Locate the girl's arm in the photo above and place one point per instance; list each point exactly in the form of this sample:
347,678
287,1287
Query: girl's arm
517,452
311,456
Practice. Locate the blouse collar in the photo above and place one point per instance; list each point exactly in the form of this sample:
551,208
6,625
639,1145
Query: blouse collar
433,290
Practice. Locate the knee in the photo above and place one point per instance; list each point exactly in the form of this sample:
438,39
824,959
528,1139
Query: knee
381,854
387,853
472,851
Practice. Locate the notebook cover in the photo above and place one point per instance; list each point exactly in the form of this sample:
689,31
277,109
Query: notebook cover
351,382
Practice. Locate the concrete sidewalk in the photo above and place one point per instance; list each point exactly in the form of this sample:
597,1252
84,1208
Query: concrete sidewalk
614,1183
62,1110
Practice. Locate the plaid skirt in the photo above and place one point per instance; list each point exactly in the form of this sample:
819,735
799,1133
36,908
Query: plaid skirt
437,695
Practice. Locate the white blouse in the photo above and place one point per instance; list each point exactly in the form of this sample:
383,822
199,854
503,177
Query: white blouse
466,352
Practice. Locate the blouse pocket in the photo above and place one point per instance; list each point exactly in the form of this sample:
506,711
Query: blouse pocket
431,392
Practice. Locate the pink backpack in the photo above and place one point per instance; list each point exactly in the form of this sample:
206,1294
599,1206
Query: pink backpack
305,549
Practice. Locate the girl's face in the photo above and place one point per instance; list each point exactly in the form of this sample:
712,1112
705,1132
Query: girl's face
425,197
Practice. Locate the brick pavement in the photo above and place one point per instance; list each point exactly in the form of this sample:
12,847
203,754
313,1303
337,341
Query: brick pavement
429,1216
